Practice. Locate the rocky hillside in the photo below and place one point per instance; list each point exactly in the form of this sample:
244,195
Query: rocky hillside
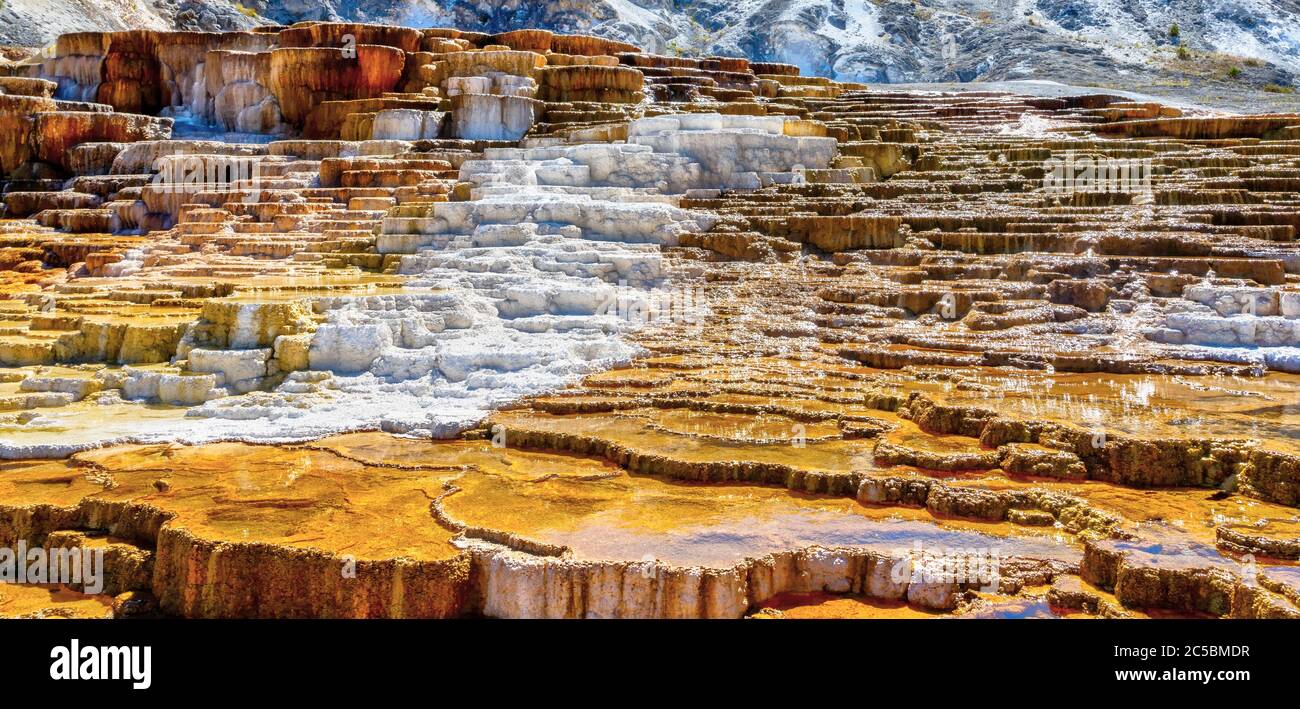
35,23
1121,43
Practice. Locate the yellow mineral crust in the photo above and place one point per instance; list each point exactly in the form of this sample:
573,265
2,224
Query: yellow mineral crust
31,601
372,525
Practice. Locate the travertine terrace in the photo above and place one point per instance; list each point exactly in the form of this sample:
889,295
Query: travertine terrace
362,321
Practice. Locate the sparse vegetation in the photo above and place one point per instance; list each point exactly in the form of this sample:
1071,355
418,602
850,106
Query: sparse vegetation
246,11
1174,32
694,43
1183,53
1279,89
1234,72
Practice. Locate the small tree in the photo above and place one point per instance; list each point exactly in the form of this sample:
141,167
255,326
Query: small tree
1174,32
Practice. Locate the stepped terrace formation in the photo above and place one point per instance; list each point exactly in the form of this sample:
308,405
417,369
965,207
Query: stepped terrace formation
364,321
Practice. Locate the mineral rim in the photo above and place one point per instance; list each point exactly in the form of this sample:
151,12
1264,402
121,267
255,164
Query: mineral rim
341,320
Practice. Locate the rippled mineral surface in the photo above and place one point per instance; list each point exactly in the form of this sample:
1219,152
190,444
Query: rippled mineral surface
362,321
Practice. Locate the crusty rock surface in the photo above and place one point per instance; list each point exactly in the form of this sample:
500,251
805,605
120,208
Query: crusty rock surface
448,323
